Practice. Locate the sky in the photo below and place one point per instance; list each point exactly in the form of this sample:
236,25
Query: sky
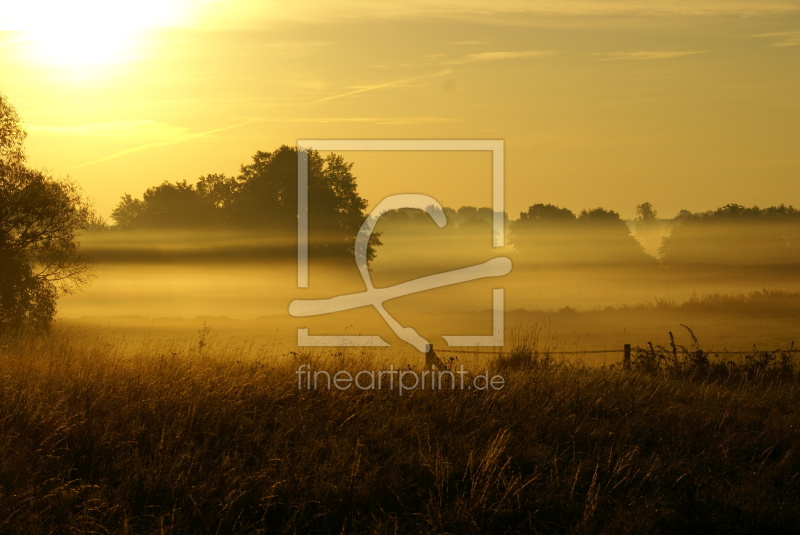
684,104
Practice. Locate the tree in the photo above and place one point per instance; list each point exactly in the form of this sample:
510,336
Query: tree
548,234
127,213
263,198
218,189
40,218
12,136
608,239
646,212
544,215
177,205
336,207
735,236
649,230
266,198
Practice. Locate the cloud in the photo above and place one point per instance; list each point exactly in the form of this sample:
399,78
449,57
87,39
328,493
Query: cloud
239,14
162,143
378,120
487,8
121,129
481,57
10,40
645,55
612,7
383,85
782,38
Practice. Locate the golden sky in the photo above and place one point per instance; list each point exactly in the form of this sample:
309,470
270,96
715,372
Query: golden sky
686,104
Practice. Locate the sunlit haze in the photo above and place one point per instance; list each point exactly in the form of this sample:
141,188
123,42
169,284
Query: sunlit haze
87,33
685,105
400,266
689,105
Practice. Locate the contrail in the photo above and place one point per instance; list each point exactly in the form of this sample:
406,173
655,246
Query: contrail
162,143
363,89
366,88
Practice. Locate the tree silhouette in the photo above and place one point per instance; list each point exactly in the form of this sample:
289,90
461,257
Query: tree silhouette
545,234
551,235
646,212
734,235
127,213
177,205
218,189
262,198
608,239
40,218
266,196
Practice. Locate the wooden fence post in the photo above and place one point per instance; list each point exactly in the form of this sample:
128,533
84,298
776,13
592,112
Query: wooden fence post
431,359
626,359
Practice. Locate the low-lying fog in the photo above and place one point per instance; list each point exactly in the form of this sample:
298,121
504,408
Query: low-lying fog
563,285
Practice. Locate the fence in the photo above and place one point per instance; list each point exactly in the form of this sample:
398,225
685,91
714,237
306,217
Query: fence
432,359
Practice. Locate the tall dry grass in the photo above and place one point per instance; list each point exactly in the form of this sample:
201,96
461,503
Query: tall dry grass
198,437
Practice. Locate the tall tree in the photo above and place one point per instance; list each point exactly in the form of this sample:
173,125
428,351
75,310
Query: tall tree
40,218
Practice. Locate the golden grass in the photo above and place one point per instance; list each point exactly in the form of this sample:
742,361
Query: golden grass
190,438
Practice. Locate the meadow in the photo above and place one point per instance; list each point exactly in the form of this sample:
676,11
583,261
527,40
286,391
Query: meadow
203,436
167,399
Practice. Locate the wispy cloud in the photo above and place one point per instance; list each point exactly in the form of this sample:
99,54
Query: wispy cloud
470,43
782,39
383,85
127,129
162,143
379,120
611,7
488,8
433,60
440,59
481,57
10,40
239,14
645,54
628,7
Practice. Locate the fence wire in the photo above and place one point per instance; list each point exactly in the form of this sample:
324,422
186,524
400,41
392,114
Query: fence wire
500,350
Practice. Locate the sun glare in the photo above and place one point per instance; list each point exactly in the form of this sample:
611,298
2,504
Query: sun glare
86,33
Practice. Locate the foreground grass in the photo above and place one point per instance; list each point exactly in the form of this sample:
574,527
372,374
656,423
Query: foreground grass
96,438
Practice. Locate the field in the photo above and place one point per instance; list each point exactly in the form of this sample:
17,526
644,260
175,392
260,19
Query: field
170,398
200,436
399,267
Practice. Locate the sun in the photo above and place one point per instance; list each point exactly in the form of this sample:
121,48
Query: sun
84,33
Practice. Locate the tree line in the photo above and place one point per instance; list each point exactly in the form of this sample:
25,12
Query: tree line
41,219
263,197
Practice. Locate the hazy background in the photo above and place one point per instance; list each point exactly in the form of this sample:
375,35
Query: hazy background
584,289
690,104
